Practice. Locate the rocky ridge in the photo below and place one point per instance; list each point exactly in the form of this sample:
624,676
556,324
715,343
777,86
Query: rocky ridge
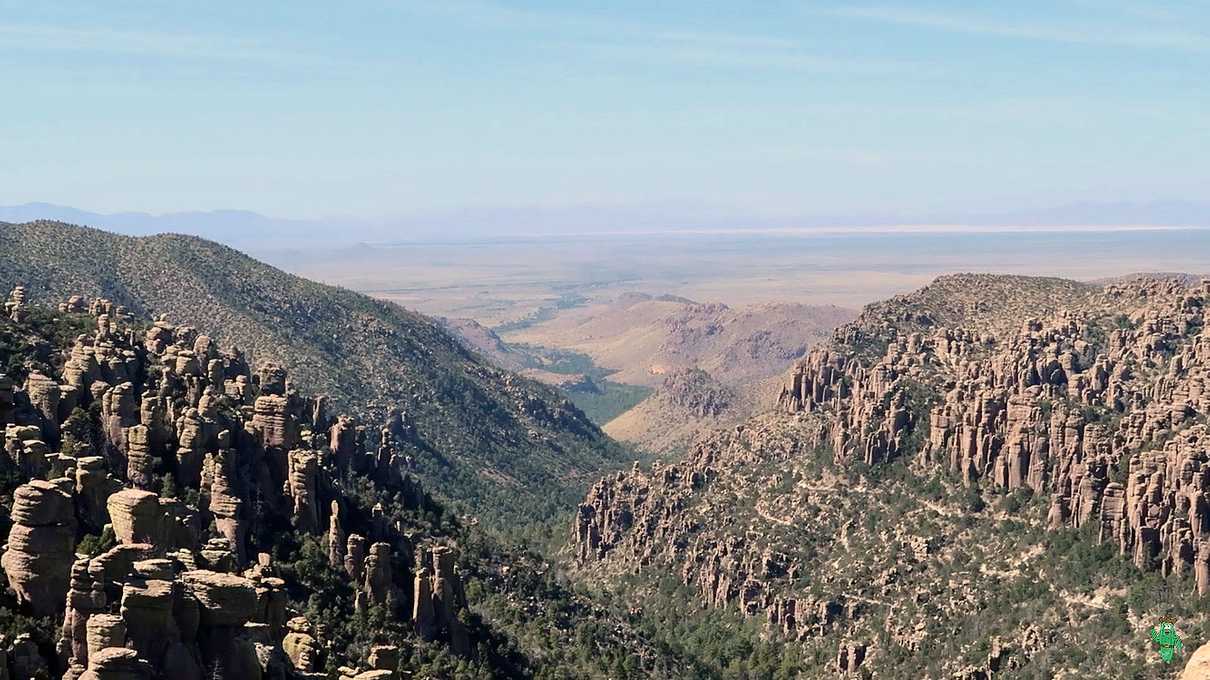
1101,407
1089,399
475,430
193,461
644,337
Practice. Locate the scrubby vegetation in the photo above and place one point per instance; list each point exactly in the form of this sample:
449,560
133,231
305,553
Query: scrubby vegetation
613,400
487,441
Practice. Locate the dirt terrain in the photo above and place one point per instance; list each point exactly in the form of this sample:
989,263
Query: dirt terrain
644,337
710,364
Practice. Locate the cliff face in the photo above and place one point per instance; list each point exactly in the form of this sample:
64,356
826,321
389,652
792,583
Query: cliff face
1103,408
1093,404
200,468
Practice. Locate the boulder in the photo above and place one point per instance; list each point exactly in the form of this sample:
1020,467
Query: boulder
224,599
1198,666
147,611
117,663
105,630
136,517
300,645
384,657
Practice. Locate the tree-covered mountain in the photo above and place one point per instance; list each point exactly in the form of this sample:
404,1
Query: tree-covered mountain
169,510
506,448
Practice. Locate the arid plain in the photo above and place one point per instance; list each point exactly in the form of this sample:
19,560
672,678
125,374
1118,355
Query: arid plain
506,281
662,336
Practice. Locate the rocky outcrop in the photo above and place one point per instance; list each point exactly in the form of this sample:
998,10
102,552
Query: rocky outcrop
15,307
383,657
271,378
1095,402
1198,666
1104,419
86,627
336,538
869,419
378,576
273,423
850,656
301,646
136,517
195,433
94,485
696,392
301,486
44,396
117,663
24,447
355,557
163,618
438,597
7,403
225,502
343,438
196,467
41,544
225,600
141,464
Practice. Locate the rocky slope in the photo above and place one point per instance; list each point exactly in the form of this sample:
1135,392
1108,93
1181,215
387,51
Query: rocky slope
642,337
172,511
479,338
186,466
953,479
655,342
542,364
688,402
478,434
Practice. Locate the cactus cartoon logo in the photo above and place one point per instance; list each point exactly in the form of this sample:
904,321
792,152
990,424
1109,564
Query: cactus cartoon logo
1169,642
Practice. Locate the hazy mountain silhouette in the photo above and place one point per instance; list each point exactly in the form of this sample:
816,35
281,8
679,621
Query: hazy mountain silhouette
246,229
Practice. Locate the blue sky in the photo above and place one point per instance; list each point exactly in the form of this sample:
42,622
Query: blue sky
777,108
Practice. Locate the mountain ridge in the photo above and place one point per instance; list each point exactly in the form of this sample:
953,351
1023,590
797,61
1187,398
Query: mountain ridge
958,473
172,511
478,426
246,228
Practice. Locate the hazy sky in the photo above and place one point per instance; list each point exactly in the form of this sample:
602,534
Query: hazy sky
383,108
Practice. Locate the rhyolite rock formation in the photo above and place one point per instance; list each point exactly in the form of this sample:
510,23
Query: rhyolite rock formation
1055,405
194,464
1092,398
38,556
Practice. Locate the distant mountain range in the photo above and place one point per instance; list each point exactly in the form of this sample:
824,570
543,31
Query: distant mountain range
231,227
250,230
